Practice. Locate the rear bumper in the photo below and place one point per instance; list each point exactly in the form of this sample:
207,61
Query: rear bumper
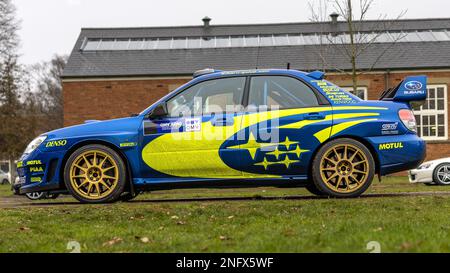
398,153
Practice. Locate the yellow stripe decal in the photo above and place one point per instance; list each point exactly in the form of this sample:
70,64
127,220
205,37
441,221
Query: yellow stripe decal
331,131
359,108
196,154
303,123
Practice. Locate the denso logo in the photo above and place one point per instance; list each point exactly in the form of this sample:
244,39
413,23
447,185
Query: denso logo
413,85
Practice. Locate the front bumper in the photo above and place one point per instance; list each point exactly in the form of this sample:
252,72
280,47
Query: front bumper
421,176
38,172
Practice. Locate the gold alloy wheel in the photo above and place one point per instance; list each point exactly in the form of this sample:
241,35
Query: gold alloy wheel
344,168
94,174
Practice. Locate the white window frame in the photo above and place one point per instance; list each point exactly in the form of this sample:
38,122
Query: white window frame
363,88
434,112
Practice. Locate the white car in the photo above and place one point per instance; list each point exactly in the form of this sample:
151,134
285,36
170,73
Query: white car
432,172
4,177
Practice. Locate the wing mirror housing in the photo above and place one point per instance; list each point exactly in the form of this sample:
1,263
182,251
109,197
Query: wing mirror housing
159,111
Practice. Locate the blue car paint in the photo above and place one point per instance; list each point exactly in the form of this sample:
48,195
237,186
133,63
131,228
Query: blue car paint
130,130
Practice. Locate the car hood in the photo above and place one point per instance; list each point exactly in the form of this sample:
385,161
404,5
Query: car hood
112,126
437,161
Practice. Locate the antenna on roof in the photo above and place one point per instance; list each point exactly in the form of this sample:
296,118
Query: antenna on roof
288,66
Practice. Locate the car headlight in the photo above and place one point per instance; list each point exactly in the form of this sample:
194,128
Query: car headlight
34,144
424,166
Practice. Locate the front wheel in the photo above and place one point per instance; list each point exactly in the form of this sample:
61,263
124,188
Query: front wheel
343,168
441,174
95,174
35,195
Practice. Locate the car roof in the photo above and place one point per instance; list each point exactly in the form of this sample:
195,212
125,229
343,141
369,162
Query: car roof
219,73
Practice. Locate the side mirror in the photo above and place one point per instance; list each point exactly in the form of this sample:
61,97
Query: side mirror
159,111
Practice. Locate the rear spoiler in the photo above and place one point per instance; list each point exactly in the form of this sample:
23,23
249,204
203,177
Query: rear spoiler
412,88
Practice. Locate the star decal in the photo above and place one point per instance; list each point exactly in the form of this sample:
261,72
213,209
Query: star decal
264,163
288,162
252,145
298,151
287,143
277,153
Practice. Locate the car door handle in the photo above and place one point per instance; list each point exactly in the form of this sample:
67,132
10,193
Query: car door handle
314,116
222,121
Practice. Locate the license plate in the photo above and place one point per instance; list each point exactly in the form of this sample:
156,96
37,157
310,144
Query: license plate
20,181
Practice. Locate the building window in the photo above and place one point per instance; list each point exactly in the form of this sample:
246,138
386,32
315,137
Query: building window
361,91
431,117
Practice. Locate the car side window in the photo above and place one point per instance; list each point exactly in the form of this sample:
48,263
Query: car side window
214,96
280,92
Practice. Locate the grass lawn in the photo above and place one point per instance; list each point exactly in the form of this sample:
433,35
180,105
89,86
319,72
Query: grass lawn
405,224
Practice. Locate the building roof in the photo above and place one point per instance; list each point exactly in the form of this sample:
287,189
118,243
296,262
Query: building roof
420,52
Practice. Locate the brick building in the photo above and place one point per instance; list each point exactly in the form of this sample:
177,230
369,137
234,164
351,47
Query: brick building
114,72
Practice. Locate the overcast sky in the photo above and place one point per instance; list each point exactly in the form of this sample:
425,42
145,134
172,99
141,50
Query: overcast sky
52,26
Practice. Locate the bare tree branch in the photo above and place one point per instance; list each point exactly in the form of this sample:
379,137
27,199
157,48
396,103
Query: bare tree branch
359,35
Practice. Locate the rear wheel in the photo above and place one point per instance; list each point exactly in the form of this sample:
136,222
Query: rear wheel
5,181
95,174
441,174
343,168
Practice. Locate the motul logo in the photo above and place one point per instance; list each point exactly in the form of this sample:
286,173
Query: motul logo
388,146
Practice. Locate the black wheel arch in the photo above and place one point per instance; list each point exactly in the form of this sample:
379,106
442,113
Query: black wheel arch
100,142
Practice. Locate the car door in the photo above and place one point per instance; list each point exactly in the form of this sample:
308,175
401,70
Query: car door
280,126
187,143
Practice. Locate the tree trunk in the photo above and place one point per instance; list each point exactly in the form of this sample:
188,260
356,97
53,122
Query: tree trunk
352,45
12,171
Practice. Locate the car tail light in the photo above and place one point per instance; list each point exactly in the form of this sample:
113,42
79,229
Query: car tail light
407,117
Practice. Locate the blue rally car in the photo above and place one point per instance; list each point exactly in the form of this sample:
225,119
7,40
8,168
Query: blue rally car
235,129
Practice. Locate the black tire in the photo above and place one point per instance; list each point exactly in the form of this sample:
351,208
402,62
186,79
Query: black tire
348,173
311,187
5,181
120,184
127,197
444,167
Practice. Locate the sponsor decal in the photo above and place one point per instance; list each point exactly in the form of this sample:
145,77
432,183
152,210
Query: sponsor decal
34,162
56,143
390,146
36,169
171,126
128,144
389,129
413,85
243,72
35,179
192,124
20,164
334,93
414,92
